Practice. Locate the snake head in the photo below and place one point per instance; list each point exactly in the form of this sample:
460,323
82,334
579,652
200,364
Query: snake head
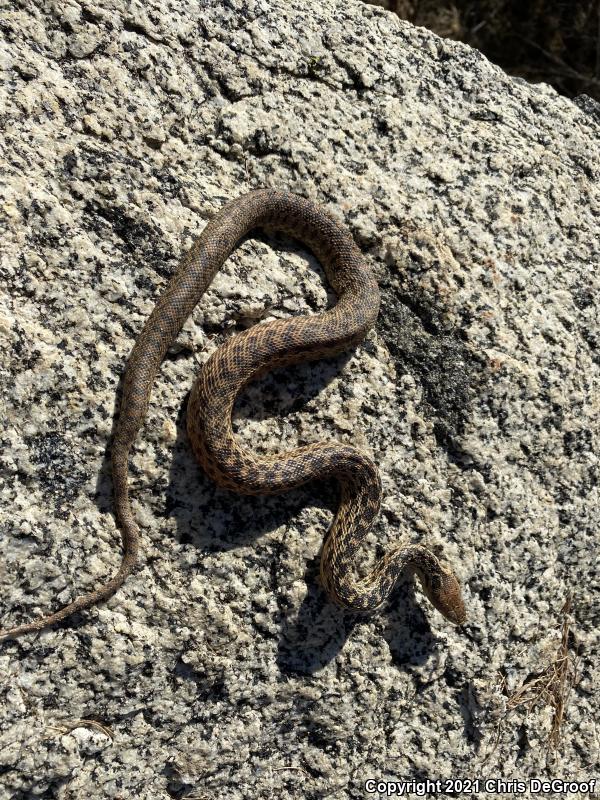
443,591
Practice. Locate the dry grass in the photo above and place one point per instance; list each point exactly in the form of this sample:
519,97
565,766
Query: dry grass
552,687
549,688
66,726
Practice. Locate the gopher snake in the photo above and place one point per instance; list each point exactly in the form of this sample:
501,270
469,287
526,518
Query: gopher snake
242,358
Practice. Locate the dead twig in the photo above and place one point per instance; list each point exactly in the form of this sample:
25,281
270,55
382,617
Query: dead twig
563,69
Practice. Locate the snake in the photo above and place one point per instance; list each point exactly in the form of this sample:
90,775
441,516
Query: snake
243,358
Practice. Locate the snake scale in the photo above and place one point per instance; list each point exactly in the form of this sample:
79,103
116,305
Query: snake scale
241,359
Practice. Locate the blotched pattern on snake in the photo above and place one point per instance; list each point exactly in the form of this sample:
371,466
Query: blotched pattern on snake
242,358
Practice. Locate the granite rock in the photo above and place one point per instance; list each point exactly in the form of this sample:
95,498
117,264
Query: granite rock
220,669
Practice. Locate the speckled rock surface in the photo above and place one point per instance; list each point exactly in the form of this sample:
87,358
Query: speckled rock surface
220,669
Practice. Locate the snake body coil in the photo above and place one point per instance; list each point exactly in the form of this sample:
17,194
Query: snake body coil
239,360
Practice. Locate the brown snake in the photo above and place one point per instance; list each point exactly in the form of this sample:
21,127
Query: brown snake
231,367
